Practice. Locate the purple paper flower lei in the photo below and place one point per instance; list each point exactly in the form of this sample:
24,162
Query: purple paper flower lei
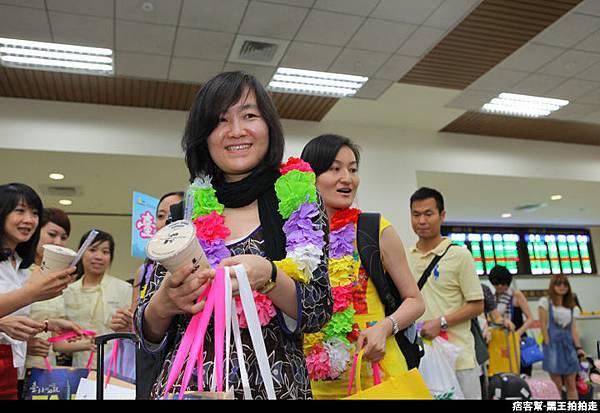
341,241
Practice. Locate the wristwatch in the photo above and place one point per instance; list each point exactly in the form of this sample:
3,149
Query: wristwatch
443,324
271,283
395,326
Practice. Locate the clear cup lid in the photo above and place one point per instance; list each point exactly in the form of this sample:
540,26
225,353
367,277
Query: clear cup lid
171,240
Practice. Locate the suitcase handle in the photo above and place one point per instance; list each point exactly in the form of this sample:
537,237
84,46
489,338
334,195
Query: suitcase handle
100,343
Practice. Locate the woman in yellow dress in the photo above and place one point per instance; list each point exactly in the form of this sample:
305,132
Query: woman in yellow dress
359,320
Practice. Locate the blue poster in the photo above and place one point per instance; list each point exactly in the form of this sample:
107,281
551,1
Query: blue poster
143,222
58,384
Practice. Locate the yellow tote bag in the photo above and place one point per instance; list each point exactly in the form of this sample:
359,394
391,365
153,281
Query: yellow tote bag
505,353
409,385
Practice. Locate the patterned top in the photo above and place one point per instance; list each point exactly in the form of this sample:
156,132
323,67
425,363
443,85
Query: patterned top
283,336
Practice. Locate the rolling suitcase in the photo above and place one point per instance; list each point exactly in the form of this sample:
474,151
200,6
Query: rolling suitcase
505,354
100,343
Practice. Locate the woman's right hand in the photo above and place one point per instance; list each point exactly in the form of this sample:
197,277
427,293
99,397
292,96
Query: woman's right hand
20,327
38,347
44,286
179,291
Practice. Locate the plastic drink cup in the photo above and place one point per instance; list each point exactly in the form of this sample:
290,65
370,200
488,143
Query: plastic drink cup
176,245
56,258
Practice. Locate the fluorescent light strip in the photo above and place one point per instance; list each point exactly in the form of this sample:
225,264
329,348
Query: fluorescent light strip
324,75
311,88
55,55
533,99
525,105
489,107
56,47
316,81
56,63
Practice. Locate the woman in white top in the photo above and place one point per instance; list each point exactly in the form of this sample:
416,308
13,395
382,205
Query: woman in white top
561,340
97,301
55,228
19,235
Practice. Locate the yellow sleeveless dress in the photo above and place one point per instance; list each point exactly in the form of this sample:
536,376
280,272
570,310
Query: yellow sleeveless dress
393,362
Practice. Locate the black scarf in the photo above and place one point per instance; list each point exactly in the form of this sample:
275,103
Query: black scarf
260,184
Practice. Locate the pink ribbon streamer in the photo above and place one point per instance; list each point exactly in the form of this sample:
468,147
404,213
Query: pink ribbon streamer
112,362
376,373
185,346
70,335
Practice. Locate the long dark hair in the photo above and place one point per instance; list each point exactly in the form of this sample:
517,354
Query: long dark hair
10,196
321,151
213,99
101,237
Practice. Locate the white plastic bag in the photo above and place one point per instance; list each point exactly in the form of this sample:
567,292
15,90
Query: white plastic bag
437,369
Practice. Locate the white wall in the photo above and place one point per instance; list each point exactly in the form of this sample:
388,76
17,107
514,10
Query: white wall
390,160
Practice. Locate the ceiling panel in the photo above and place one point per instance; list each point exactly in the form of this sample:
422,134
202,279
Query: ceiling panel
359,62
271,20
142,65
162,11
99,8
24,23
415,12
218,15
144,37
489,34
476,123
356,7
310,56
82,30
202,44
381,35
328,28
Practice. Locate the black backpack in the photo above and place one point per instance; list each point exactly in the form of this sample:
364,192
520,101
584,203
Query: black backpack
367,239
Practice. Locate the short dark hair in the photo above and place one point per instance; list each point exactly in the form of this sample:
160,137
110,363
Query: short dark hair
56,216
180,194
426,193
101,237
213,99
321,151
10,196
499,275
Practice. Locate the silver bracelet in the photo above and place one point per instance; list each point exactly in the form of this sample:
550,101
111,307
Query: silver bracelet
395,327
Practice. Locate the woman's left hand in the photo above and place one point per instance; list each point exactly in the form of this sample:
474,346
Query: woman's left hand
60,326
373,339
257,268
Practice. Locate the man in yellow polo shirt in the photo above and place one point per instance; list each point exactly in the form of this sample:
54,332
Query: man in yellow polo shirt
452,293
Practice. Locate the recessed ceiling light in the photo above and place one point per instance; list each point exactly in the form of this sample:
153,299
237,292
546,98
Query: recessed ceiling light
148,7
65,202
556,197
523,105
309,82
507,215
55,57
56,176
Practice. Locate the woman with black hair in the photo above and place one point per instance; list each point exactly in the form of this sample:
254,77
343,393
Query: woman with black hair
359,312
55,228
512,304
20,207
97,300
234,144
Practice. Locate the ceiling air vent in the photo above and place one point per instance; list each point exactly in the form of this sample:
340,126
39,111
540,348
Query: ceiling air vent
61,191
257,50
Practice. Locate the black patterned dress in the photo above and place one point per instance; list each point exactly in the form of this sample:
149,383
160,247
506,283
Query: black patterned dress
283,336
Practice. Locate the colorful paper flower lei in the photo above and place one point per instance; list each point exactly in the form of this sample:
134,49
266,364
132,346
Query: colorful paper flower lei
328,351
296,192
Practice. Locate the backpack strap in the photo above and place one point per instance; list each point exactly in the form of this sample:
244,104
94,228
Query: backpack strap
367,240
430,268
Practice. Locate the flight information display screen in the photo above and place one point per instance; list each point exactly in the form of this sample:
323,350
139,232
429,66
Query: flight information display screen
535,251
